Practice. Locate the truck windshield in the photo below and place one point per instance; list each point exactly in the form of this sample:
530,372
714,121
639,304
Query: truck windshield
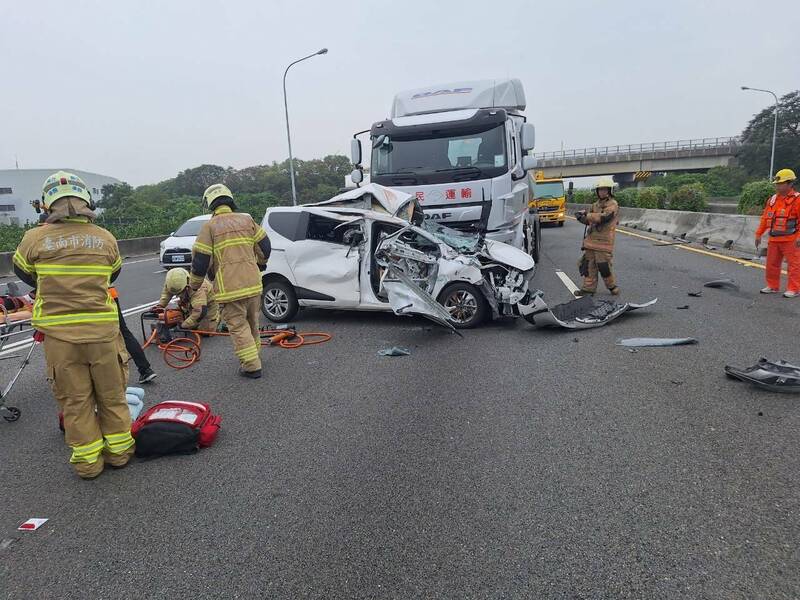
476,154
548,190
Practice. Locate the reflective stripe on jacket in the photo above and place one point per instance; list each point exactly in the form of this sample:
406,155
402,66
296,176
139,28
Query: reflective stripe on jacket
231,240
72,262
781,218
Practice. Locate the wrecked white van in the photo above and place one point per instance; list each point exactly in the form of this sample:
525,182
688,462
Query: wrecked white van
371,249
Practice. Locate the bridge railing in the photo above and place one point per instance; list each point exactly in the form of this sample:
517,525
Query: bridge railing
716,145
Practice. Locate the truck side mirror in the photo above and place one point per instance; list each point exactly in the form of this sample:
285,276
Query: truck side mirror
357,176
528,162
528,137
355,151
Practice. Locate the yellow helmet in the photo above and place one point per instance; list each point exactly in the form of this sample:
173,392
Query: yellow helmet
62,184
783,176
604,182
176,281
218,190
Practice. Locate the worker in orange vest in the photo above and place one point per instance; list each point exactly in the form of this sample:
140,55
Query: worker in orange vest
781,218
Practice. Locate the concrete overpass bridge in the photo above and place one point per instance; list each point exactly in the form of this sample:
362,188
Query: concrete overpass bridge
635,162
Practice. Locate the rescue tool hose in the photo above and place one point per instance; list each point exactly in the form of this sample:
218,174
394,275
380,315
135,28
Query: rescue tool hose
183,352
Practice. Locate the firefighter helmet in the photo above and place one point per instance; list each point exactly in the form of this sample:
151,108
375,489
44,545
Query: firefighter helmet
62,184
214,192
176,281
605,182
784,176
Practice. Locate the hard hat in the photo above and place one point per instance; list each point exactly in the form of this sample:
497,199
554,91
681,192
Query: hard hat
62,184
176,281
604,182
783,176
218,190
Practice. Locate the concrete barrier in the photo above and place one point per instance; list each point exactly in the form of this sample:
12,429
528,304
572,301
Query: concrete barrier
733,231
127,248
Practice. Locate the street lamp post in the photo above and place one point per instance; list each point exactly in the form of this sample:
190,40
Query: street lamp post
286,109
774,127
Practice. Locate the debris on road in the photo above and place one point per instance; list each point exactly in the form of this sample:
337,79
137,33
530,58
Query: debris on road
777,376
675,243
581,313
695,294
655,342
684,307
394,351
729,284
32,524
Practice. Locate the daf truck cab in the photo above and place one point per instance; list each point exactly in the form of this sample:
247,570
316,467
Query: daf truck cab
462,150
549,199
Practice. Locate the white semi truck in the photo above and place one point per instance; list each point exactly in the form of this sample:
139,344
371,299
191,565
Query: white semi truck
462,150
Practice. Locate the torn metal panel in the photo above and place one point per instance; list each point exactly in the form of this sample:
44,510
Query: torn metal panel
581,313
376,198
407,298
777,376
655,342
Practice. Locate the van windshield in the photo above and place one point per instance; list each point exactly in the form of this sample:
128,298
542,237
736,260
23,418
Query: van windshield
458,240
189,228
447,156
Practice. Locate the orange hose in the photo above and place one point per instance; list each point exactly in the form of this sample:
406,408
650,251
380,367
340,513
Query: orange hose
182,353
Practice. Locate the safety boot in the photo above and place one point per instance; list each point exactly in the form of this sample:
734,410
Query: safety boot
118,461
584,292
614,291
250,374
89,470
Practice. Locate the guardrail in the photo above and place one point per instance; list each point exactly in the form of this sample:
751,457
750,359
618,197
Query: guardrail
715,146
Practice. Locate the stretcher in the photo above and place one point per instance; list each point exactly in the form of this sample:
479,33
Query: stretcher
12,413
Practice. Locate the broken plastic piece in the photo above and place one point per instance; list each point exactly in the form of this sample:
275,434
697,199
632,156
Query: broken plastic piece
684,307
722,283
581,313
695,294
394,351
777,376
655,342
32,524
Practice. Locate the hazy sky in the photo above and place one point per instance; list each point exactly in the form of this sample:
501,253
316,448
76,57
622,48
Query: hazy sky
140,90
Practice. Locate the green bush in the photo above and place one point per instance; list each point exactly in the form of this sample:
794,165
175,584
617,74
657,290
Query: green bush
583,196
627,197
652,197
754,197
691,197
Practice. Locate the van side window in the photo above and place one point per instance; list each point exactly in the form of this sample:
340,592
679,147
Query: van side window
324,230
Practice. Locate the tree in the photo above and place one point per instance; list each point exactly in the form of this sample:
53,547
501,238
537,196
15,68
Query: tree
113,195
757,138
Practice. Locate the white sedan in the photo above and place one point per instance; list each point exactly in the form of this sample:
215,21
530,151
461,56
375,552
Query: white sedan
176,250
369,249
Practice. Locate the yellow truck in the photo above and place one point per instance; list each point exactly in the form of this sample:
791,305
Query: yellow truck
549,199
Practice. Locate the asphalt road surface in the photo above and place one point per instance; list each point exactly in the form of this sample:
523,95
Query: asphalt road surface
512,463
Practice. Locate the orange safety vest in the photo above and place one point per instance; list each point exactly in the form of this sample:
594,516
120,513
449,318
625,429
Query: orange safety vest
781,217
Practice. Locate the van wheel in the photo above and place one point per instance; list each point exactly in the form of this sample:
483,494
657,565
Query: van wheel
466,305
279,302
533,240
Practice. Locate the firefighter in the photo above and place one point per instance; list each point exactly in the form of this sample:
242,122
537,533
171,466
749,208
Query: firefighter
598,240
199,308
71,263
233,250
781,218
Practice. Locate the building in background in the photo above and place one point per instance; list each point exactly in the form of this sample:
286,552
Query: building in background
18,187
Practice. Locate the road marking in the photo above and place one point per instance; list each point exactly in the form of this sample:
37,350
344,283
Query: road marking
739,261
568,283
15,346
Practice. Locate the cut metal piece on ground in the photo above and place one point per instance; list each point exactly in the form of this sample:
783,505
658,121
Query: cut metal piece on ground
775,376
394,351
655,342
684,307
582,313
729,284
695,294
